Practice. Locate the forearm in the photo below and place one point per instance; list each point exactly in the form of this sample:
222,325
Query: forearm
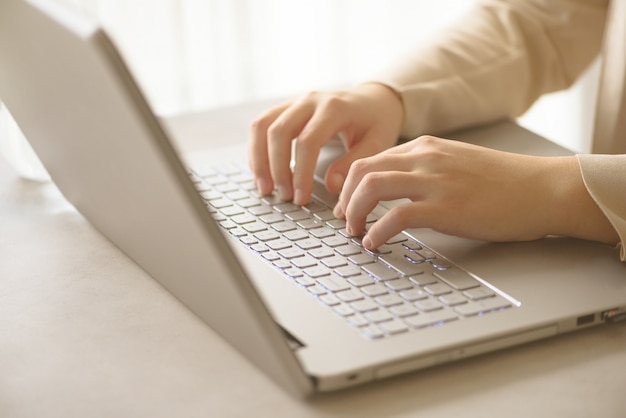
495,62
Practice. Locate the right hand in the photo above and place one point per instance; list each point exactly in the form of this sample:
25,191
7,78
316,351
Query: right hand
367,118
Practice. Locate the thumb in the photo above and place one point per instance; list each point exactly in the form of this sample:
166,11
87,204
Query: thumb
338,170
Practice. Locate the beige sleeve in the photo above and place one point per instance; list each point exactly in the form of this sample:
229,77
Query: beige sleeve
495,62
604,176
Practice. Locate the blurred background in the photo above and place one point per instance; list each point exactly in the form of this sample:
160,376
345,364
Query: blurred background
191,55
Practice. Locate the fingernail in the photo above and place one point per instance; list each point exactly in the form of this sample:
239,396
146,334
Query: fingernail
298,197
338,212
284,193
262,186
367,242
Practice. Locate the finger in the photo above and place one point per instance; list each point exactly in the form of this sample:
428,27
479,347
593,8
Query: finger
376,187
396,220
258,159
338,171
287,126
322,126
379,163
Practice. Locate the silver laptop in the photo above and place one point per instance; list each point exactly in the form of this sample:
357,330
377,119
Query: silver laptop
283,284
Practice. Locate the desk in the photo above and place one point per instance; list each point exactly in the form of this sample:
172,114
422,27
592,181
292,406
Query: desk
84,332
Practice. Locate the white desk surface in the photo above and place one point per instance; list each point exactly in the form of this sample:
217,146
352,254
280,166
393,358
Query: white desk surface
84,332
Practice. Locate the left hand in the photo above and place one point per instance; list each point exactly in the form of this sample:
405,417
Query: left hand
472,192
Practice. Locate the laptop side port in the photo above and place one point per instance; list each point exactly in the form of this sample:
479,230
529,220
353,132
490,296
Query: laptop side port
613,315
585,320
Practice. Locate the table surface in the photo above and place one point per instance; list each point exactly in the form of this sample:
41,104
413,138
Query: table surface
85,332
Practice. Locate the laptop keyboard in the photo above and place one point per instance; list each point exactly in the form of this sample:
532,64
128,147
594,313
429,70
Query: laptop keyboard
403,286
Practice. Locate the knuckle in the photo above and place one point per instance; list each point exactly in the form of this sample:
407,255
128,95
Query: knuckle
359,166
427,140
401,215
259,124
276,130
333,103
373,181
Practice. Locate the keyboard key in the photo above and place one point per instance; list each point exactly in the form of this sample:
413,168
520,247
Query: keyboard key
364,306
314,206
283,226
255,227
334,262
437,289
235,210
348,250
350,295
378,316
336,223
402,311
457,278
271,218
380,271
348,271
291,253
265,235
482,306
361,280
259,210
324,215
398,261
335,241
427,305
322,232
334,284
308,243
343,310
286,207
399,285
479,293
245,218
279,244
394,326
330,300
361,259
305,281
423,280
316,271
429,319
309,224
388,300
375,289
372,332
316,290
453,299
304,262
297,216
322,252
359,321
295,235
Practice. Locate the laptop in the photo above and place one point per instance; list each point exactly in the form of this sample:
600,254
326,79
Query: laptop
283,284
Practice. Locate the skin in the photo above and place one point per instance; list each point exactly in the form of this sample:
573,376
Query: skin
368,117
473,192
454,188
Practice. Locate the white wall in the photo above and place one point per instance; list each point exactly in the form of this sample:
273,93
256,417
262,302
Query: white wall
198,54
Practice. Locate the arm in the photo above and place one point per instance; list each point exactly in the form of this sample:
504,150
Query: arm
495,62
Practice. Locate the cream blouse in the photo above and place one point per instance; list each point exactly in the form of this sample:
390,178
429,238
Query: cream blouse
495,62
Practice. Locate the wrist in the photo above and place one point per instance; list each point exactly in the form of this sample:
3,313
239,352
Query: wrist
574,212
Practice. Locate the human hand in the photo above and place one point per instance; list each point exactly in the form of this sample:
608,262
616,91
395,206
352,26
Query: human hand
470,191
367,119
